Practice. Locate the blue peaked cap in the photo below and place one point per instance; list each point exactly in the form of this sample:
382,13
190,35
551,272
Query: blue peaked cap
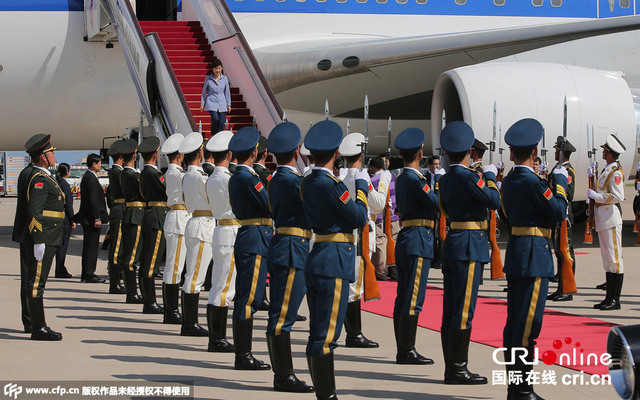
324,136
284,138
457,137
244,140
524,133
410,139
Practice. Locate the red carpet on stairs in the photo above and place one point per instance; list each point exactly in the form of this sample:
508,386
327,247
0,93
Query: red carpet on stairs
561,333
190,55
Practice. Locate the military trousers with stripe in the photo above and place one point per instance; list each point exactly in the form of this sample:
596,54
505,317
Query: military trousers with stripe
251,280
327,298
153,246
37,272
287,289
611,249
116,244
461,279
223,275
198,257
526,299
175,245
129,258
413,272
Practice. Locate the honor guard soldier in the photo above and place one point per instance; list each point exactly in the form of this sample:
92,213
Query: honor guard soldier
465,196
288,253
305,152
131,220
533,209
333,215
417,206
43,234
154,192
115,219
608,195
223,274
19,225
571,187
174,227
250,204
208,164
477,151
351,150
265,175
433,175
198,233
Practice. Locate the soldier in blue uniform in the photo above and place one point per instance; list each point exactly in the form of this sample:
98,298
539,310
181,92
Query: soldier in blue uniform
532,209
250,204
465,196
288,253
417,207
333,216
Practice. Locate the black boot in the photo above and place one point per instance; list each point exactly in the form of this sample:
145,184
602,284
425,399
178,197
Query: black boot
149,296
602,286
242,335
114,280
456,372
132,290
444,341
353,326
614,299
170,295
406,327
265,304
284,379
523,390
39,329
190,326
217,323
608,286
323,376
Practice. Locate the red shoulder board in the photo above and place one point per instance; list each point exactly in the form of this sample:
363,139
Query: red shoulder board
426,188
269,178
480,183
162,179
617,179
370,186
38,185
569,180
345,197
258,186
548,194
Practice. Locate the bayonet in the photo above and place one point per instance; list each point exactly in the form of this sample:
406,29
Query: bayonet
326,109
284,116
347,127
563,144
492,143
389,142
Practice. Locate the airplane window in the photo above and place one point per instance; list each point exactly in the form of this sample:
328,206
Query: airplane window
498,2
461,2
381,1
625,3
324,65
321,1
341,1
401,1
361,1
556,3
351,62
537,3
421,1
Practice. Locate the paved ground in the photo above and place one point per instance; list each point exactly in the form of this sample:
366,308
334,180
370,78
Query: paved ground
109,342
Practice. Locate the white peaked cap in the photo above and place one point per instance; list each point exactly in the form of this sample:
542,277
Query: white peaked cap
172,144
191,143
614,144
219,142
304,151
352,144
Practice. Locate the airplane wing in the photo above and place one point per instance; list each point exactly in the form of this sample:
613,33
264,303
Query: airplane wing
286,69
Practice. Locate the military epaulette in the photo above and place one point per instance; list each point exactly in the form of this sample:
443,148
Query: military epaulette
228,173
202,173
295,173
418,173
337,180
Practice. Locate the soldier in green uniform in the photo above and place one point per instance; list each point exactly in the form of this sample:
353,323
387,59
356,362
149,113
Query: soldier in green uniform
265,176
43,234
116,213
154,192
131,220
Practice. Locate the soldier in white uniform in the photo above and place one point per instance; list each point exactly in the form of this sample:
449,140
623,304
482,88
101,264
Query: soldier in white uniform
198,233
351,149
223,274
305,152
174,226
608,195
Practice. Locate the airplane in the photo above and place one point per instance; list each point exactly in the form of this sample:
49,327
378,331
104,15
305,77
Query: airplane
414,59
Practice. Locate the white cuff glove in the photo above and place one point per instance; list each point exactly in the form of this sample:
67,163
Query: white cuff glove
593,165
38,251
638,186
440,171
589,172
544,167
561,171
490,168
499,184
638,166
591,194
363,174
500,165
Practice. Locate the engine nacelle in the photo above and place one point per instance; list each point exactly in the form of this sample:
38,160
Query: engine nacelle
601,99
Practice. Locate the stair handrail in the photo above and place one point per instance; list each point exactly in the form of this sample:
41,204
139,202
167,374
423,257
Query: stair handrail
220,26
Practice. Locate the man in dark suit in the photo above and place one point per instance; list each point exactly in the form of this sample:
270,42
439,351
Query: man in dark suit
61,253
433,175
93,211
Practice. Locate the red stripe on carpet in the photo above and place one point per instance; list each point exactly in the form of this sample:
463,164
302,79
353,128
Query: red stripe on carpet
564,338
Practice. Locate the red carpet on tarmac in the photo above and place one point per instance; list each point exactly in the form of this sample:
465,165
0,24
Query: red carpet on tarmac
565,339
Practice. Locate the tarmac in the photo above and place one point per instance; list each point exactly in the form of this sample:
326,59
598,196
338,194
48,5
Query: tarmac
108,343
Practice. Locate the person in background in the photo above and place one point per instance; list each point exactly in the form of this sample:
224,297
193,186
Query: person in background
93,212
379,257
259,166
536,165
433,176
61,253
216,97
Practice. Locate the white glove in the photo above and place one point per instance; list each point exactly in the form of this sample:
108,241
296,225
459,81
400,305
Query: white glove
499,185
342,172
591,194
363,174
500,165
544,167
561,171
490,168
638,166
38,251
593,165
589,172
439,171
638,186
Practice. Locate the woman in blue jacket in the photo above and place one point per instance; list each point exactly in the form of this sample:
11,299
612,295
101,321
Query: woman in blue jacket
216,98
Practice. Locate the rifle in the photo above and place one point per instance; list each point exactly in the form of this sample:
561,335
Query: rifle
588,230
545,170
371,290
567,282
592,180
496,260
635,183
391,244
